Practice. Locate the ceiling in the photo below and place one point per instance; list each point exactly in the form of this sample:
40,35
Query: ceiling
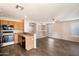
41,12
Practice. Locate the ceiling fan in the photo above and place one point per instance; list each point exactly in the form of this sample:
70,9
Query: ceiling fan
53,20
19,7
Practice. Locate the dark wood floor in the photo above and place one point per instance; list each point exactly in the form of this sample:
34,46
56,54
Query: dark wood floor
45,47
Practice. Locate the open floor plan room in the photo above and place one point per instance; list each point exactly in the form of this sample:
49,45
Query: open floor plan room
38,29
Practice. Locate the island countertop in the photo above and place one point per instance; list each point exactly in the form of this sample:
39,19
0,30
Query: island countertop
26,34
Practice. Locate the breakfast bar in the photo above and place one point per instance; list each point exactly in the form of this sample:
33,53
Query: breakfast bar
26,40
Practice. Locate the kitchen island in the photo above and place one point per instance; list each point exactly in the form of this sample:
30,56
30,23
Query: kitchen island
27,40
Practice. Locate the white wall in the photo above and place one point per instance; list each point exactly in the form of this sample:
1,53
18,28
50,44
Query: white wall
10,19
64,29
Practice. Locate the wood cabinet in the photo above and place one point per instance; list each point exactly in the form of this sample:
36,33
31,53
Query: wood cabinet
4,22
17,25
0,22
16,38
11,23
21,25
22,42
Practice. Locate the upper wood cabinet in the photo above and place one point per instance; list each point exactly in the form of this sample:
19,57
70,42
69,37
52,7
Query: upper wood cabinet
11,23
17,25
21,26
0,22
4,22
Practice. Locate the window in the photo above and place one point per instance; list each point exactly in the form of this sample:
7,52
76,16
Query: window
75,28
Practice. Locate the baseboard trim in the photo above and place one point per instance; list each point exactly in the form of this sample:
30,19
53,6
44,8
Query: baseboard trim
43,37
64,40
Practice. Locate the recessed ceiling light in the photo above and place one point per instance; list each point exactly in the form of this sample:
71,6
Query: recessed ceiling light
25,17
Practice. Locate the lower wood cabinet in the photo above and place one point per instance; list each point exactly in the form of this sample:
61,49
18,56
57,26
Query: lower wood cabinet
23,42
16,38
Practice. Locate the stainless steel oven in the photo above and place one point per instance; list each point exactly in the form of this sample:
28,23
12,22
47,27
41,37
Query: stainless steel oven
7,38
6,35
0,39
